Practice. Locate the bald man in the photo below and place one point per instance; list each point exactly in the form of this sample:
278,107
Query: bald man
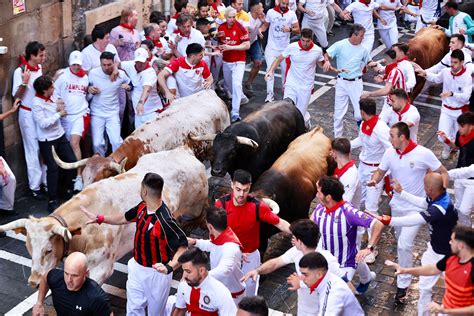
440,215
72,291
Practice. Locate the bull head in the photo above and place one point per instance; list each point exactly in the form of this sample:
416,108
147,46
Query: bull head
43,241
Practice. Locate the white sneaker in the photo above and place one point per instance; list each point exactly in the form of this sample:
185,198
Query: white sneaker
244,100
269,99
370,258
78,185
446,152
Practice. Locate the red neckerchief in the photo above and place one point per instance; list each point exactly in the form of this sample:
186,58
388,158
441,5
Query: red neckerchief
366,2
128,27
335,207
27,65
369,125
388,69
280,10
305,49
214,6
43,97
463,140
81,73
178,31
176,16
156,42
403,111
410,147
227,235
340,172
404,58
148,60
315,285
459,73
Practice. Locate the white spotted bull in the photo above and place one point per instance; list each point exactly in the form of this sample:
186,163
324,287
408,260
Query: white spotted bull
50,238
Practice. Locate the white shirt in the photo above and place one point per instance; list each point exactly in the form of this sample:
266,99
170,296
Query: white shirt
317,6
303,65
145,78
226,263
410,169
308,304
254,25
29,94
446,61
214,297
388,15
106,102
91,56
194,37
72,90
409,72
362,14
410,116
352,186
189,78
373,146
277,39
336,298
428,9
461,173
47,119
459,85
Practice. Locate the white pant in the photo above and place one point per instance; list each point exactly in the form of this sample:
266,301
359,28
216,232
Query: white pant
448,124
464,195
427,17
251,286
330,18
427,282
142,119
111,124
370,195
146,287
233,76
301,98
405,237
7,188
36,169
270,56
368,41
318,28
345,91
389,36
216,65
363,271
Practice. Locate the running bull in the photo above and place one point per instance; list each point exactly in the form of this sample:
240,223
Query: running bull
50,239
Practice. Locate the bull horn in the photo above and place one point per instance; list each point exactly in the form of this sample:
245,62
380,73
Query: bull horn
68,165
63,232
272,204
119,167
247,141
205,138
19,223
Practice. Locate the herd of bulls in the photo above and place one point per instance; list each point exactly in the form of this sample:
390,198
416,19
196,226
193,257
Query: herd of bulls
271,143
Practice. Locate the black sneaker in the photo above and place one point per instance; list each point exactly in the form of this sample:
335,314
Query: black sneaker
38,195
3,234
400,295
52,205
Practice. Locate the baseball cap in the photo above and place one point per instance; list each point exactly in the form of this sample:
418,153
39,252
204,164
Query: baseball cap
141,55
75,58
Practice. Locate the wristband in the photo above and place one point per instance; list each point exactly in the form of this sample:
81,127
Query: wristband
169,268
447,141
386,220
100,219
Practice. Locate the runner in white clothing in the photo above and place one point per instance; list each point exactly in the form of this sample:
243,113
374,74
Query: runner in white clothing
104,103
363,13
199,293
22,88
402,111
225,252
101,43
145,98
185,34
281,22
409,163
305,240
457,89
401,50
302,58
388,31
457,41
335,296
430,11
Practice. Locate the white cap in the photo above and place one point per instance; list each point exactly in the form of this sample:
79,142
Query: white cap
141,55
75,58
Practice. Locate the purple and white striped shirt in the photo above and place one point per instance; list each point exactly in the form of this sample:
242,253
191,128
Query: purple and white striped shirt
339,231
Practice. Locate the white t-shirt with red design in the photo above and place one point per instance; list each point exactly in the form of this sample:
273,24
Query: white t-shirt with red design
410,116
277,39
72,89
188,77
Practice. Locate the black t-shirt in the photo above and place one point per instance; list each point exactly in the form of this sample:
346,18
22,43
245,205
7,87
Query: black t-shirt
466,153
89,300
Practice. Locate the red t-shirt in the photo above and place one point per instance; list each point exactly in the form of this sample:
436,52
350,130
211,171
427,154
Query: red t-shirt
243,220
235,35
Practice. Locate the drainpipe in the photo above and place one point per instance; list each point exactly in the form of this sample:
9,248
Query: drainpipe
167,8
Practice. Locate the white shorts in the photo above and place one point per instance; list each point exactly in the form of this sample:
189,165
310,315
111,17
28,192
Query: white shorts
76,124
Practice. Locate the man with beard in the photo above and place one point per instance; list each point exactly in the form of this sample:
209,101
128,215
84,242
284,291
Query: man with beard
199,293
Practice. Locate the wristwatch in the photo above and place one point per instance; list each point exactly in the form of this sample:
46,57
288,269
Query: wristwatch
370,247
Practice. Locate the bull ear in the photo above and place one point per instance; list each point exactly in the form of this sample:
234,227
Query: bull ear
75,231
20,230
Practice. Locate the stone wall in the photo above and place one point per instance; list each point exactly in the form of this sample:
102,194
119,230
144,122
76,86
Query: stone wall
61,27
